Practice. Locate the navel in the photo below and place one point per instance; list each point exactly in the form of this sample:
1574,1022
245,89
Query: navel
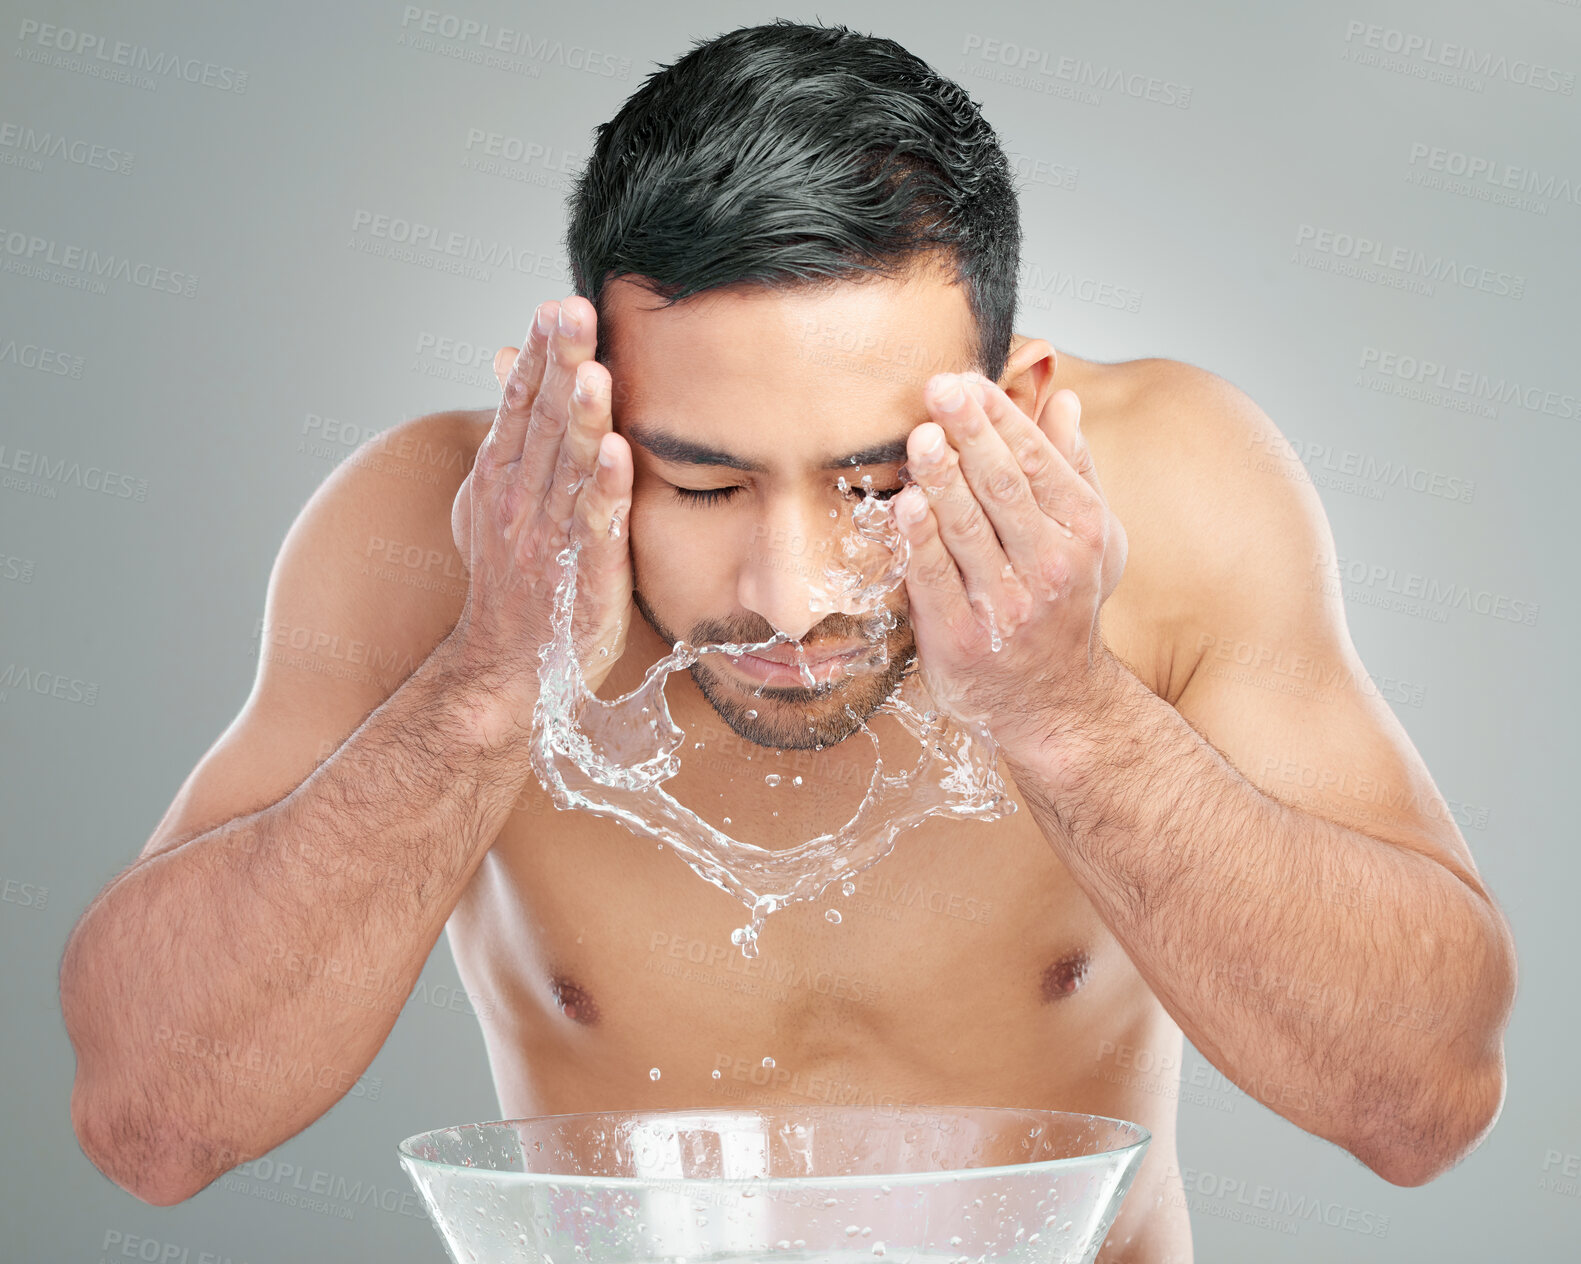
1066,976
574,1000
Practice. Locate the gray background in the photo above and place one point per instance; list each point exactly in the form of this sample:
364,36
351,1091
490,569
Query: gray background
209,413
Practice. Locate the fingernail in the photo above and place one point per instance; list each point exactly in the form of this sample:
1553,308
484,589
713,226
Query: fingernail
542,319
606,455
909,507
569,323
931,445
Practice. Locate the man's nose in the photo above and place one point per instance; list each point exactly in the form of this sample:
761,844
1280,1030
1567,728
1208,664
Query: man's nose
782,576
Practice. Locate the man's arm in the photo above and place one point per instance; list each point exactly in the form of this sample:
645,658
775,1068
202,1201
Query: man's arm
1271,851
232,985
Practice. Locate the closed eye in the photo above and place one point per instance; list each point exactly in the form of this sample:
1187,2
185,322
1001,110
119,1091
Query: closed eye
707,496
712,495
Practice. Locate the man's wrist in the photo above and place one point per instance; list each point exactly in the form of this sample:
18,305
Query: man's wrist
1060,744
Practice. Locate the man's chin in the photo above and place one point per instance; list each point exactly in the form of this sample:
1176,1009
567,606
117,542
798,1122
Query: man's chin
794,717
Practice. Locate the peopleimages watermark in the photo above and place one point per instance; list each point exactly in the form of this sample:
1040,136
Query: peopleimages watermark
1423,594
1270,1207
1039,286
18,569
29,355
1022,65
47,684
41,474
1426,57
1357,472
82,267
120,1245
316,1189
440,250
520,158
67,48
1490,180
502,47
455,360
1400,267
1462,387
21,146
1561,1173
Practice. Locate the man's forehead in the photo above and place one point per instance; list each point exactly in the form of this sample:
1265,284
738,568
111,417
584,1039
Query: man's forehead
919,321
751,379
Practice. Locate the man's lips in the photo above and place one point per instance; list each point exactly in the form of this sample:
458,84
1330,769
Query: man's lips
776,665
788,655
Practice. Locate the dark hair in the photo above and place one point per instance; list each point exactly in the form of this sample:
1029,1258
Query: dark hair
789,155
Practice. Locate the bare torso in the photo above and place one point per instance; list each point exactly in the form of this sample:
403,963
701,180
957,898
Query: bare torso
968,967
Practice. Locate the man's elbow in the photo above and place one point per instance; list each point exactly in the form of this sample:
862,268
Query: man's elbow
130,1158
1456,1128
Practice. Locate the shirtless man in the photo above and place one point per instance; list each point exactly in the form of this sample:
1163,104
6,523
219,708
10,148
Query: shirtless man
1223,831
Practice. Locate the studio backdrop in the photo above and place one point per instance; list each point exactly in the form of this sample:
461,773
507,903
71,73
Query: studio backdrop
1374,237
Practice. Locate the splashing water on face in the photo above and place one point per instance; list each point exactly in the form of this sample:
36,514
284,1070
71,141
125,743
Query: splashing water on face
610,758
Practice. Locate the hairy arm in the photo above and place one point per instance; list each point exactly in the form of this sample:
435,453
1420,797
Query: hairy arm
1271,850
229,987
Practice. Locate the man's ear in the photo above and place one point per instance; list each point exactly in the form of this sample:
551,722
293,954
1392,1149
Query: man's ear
1029,374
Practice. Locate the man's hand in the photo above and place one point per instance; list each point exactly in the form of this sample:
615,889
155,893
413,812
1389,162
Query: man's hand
550,471
1014,544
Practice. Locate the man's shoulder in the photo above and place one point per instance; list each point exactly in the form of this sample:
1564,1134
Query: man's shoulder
378,528
1215,502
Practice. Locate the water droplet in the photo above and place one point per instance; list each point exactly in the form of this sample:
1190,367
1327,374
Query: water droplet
613,757
878,1248
772,779
752,714
848,888
716,1074
832,915
653,1074
796,781
768,1062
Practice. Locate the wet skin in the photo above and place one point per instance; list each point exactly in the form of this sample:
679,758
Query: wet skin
967,968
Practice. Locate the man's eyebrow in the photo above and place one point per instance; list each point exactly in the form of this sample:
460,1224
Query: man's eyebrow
666,446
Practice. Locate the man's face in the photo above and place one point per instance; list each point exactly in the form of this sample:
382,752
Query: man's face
760,400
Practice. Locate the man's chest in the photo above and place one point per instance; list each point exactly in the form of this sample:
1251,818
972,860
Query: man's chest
966,934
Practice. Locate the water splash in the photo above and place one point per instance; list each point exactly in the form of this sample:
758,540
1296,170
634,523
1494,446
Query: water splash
611,758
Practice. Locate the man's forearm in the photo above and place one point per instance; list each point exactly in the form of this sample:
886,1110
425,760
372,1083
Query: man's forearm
224,994
1377,1027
